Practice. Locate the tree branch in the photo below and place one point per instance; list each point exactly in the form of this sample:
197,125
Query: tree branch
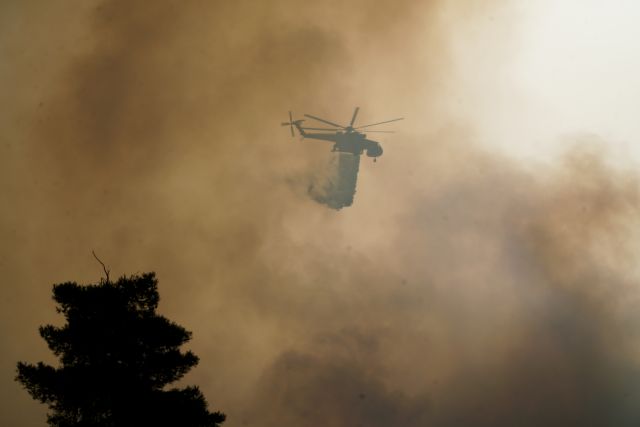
104,267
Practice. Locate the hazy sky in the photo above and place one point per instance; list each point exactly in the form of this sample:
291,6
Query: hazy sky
486,274
565,68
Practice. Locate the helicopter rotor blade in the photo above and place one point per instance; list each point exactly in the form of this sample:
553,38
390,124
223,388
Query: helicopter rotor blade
290,124
324,121
379,123
333,130
355,114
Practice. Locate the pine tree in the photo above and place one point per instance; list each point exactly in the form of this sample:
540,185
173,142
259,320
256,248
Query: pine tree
116,358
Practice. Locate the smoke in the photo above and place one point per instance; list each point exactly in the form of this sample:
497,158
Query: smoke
460,288
503,304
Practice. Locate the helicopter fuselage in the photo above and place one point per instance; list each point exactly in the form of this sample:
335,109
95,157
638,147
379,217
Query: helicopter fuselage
347,142
346,139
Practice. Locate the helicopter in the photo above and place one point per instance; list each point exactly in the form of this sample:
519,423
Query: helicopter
346,139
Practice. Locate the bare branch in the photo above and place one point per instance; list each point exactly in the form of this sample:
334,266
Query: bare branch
104,267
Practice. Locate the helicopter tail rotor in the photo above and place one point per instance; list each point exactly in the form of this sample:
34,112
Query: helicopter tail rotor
290,123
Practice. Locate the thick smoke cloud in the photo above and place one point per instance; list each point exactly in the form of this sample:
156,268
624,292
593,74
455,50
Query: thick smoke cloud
460,288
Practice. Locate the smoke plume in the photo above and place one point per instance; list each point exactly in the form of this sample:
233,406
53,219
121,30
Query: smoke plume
461,288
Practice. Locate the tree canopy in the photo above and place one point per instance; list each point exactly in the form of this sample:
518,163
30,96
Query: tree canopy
116,358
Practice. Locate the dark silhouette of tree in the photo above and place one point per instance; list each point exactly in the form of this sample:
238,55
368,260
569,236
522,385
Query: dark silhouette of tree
116,357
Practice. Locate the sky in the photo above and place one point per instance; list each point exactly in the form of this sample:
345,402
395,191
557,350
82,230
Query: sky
484,275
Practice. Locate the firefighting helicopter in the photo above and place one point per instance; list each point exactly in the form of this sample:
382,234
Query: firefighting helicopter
346,139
